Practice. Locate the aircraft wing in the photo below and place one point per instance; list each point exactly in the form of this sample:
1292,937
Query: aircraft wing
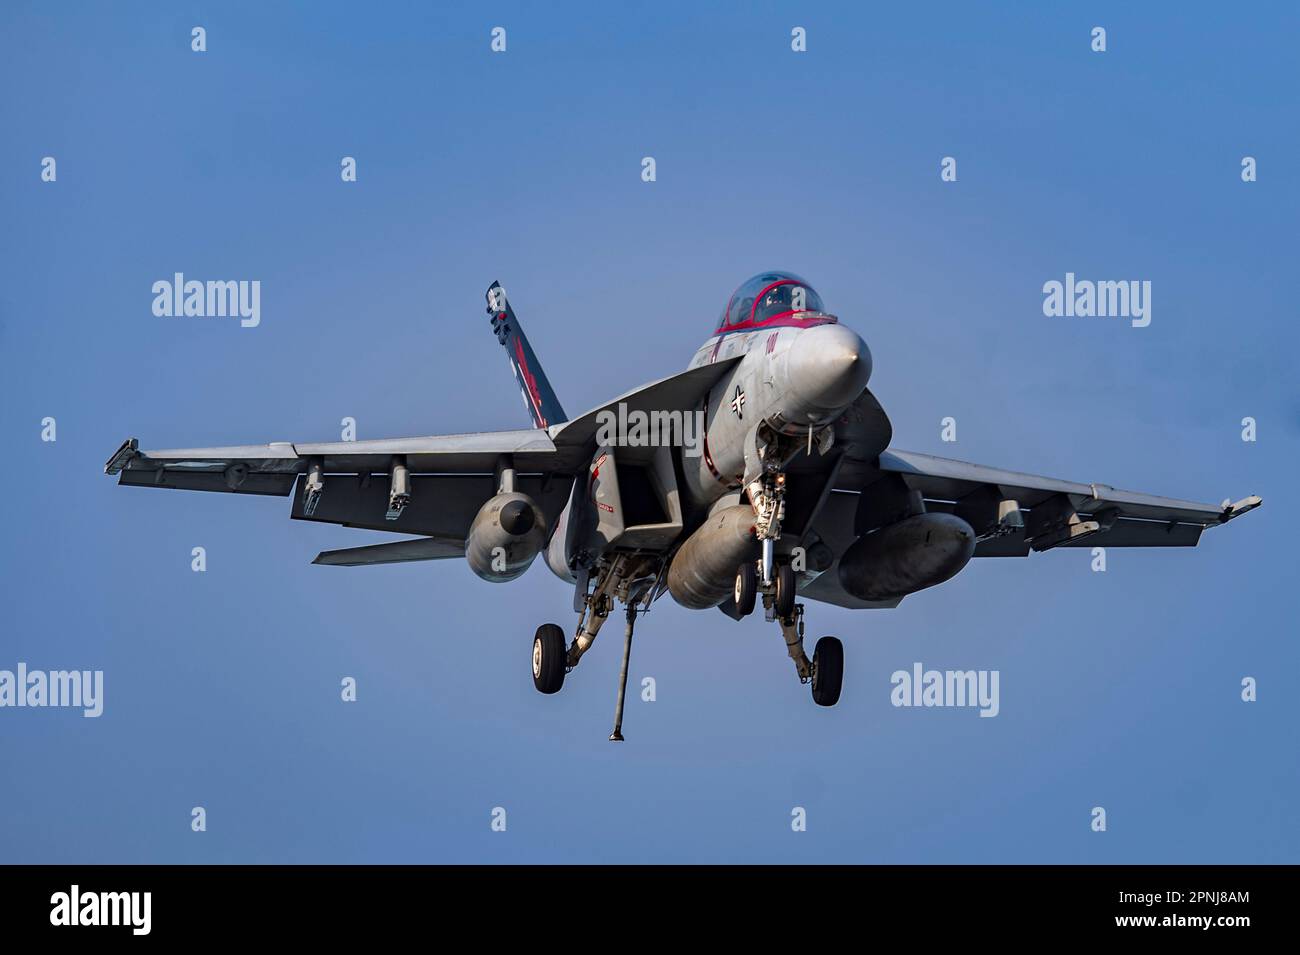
273,468
450,478
1053,512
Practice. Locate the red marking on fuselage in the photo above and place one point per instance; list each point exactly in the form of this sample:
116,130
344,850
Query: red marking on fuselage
591,483
708,456
810,320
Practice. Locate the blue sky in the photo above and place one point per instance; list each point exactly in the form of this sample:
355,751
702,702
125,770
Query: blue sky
222,688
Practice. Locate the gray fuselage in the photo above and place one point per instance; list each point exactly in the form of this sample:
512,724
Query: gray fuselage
796,376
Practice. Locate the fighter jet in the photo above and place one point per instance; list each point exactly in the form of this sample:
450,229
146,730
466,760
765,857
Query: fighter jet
762,474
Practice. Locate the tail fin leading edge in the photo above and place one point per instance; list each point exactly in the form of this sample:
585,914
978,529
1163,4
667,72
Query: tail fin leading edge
539,397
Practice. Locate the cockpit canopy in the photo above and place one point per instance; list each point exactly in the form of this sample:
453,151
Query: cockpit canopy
767,296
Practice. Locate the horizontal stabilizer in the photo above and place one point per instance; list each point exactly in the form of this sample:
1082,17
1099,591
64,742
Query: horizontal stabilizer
397,552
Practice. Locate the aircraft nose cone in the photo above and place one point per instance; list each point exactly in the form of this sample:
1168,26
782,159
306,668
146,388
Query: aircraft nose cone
828,367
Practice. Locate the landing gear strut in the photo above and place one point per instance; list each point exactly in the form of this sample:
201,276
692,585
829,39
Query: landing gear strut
596,609
767,497
766,576
825,671
792,630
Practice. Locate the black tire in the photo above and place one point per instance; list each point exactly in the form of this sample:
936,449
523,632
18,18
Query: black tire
785,591
549,658
828,671
746,590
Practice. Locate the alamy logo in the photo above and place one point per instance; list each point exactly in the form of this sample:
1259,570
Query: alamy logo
72,688
1084,298
211,299
621,428
75,907
922,687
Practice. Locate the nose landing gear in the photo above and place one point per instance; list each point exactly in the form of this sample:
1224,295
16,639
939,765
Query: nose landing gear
783,592
766,575
780,592
746,592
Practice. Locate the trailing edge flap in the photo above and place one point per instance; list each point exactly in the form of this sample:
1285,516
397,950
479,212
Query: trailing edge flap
397,552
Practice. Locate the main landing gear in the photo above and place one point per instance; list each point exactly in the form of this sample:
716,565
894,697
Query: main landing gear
627,579
549,654
825,671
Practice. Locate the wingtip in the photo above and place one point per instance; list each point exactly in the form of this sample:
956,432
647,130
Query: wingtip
122,456
1244,506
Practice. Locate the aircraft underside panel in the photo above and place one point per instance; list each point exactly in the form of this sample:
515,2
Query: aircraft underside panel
440,505
276,484
833,525
945,479
1124,533
828,590
1015,514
